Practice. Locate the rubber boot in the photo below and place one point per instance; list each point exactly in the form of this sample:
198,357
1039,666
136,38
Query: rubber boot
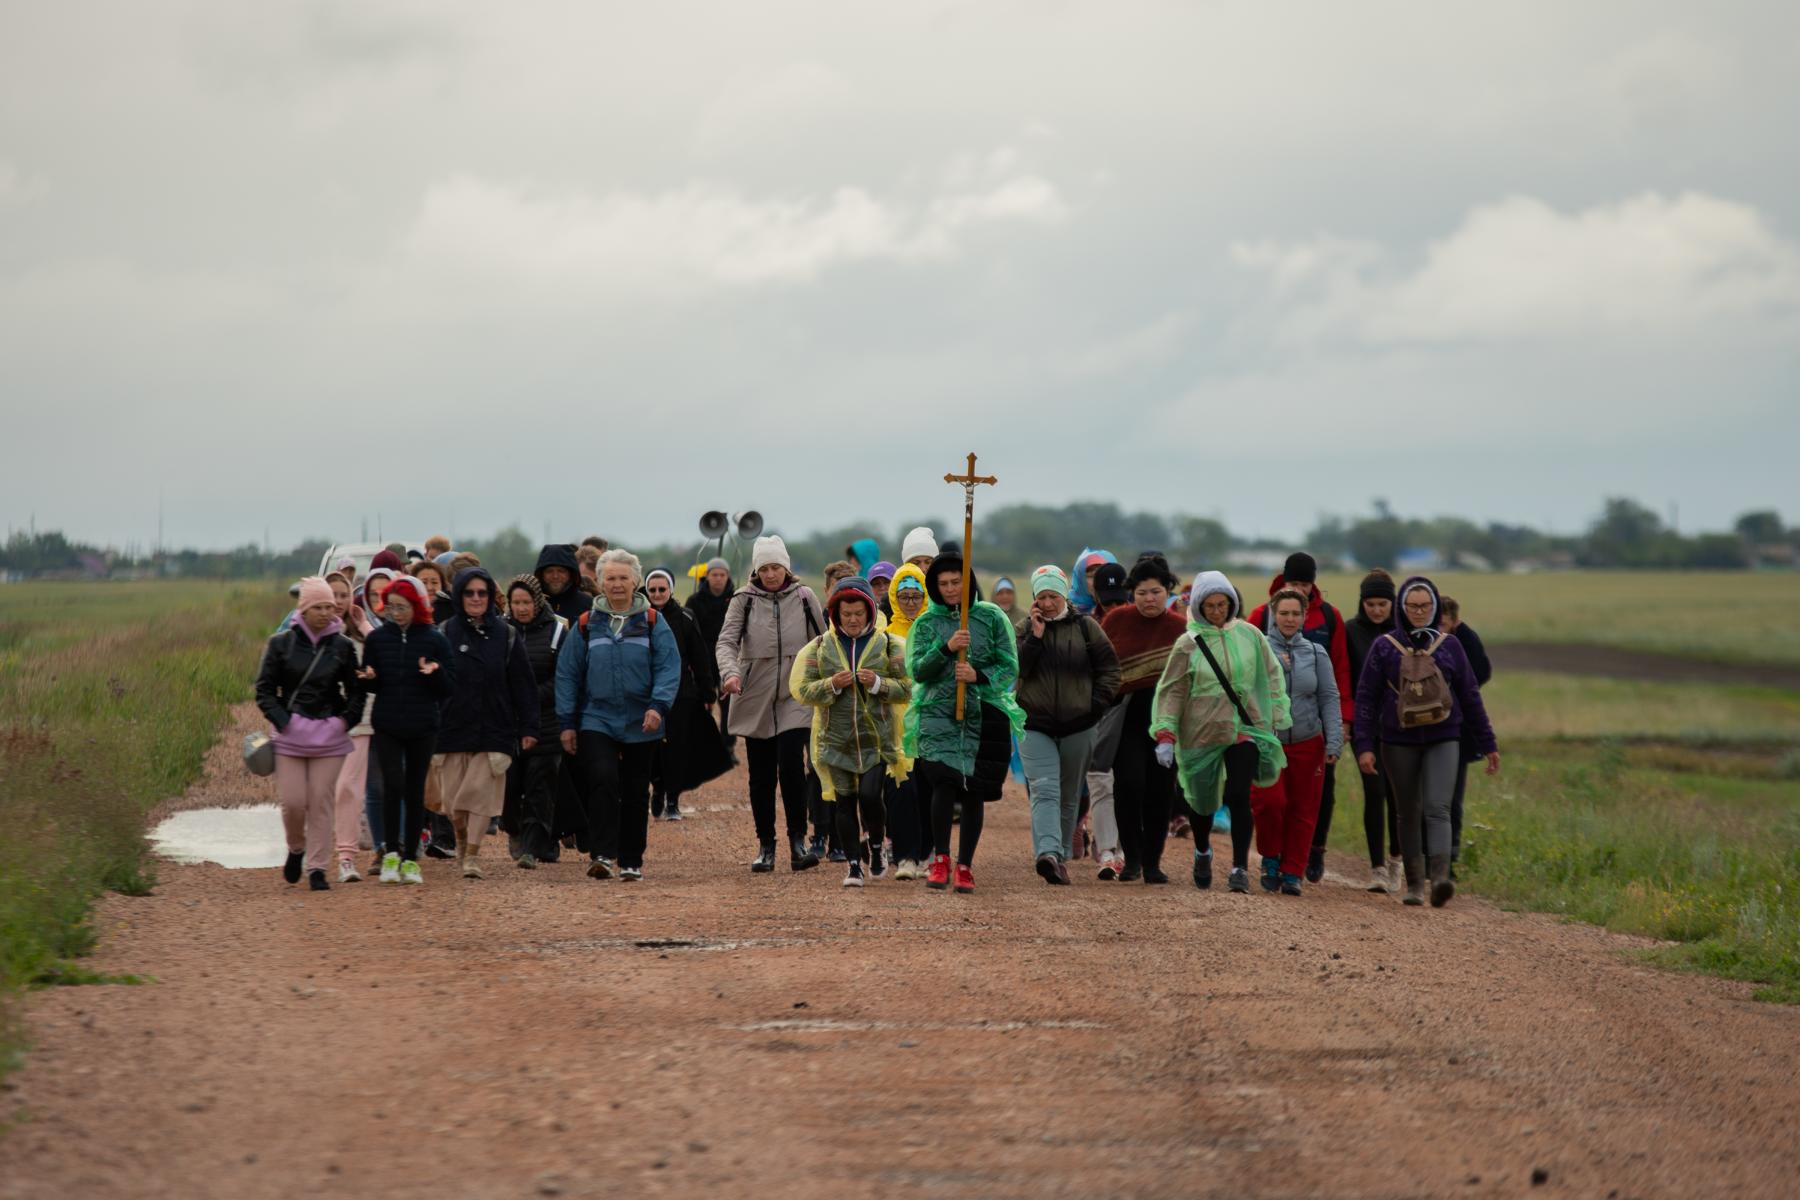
1442,887
1415,882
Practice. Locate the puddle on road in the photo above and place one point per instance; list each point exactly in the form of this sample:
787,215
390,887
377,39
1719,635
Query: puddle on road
230,837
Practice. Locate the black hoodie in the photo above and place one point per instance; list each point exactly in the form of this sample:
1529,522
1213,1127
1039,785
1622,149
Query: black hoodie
709,610
571,602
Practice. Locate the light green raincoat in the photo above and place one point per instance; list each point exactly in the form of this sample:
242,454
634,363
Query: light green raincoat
932,730
854,730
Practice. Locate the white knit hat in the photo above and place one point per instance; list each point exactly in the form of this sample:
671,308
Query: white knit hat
769,551
920,543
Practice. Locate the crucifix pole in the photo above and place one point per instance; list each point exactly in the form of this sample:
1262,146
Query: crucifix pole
968,483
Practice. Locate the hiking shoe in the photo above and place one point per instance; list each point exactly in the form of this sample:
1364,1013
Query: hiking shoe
1315,865
526,862
1203,869
801,857
470,870
854,876
965,879
1155,875
316,881
410,872
290,870
1046,867
764,862
1290,885
837,855
347,872
1271,873
1239,880
817,848
672,813
907,868
631,874
433,850
600,868
877,865
390,868
937,875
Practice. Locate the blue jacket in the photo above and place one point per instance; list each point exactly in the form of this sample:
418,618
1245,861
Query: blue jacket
621,666
493,702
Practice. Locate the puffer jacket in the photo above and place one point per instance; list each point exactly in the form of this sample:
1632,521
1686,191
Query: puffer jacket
330,692
407,703
493,701
1313,703
1068,677
622,665
857,728
543,639
763,634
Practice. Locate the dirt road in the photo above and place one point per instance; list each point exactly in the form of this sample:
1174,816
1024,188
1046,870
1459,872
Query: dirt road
712,1032
1616,663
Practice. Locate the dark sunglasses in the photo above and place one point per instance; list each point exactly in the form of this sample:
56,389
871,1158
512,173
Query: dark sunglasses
481,594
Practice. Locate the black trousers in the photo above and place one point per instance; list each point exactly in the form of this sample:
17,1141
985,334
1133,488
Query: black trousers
778,760
662,798
1241,762
1327,802
617,779
1143,789
404,762
869,799
530,814
1380,815
949,790
909,818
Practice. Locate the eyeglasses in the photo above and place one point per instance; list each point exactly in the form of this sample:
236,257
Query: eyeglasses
1425,607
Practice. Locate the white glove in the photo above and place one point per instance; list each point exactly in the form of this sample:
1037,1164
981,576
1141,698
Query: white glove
1165,754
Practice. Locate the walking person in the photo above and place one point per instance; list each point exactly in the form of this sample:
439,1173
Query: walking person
960,763
1143,633
351,792
1286,811
709,604
559,575
909,817
490,716
691,752
1006,599
616,681
852,676
769,620
1325,626
529,814
1453,624
1218,706
1416,696
881,577
406,663
1381,826
1068,674
1081,578
306,685
437,587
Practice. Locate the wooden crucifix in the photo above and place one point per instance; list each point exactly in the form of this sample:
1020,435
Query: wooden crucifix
968,483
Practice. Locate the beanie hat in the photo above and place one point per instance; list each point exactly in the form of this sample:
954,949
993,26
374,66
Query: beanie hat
920,543
850,587
908,583
1378,586
1109,584
413,592
769,551
314,591
1300,568
882,570
718,564
388,559
1050,579
445,559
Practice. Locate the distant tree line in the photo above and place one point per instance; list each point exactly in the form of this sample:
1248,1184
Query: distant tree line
1016,537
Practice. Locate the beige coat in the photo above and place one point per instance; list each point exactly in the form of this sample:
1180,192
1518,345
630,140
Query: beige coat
764,633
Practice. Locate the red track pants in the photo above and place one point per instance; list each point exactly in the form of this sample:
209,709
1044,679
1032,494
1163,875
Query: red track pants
1286,813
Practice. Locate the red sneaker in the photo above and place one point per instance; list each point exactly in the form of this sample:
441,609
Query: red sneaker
937,875
965,880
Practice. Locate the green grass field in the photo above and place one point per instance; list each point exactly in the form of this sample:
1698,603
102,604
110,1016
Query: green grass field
110,696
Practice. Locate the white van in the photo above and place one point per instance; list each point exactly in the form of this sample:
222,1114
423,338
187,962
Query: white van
362,553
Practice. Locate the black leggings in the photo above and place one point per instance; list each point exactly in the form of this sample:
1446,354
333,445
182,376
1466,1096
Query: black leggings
869,799
404,762
1143,789
1379,814
1327,802
782,759
1241,762
949,789
908,819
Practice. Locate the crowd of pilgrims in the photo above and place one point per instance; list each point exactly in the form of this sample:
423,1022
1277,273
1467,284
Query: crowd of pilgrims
423,707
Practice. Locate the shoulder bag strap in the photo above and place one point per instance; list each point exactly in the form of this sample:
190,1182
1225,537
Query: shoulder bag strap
1230,692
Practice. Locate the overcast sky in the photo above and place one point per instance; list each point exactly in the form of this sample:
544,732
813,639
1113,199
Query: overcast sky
290,265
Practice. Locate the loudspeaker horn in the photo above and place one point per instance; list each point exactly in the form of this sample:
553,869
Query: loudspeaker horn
714,525
749,524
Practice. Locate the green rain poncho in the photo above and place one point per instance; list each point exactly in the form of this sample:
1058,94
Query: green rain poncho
853,730
932,730
1191,703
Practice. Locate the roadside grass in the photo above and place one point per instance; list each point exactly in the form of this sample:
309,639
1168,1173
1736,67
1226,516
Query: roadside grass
110,696
1668,811
1714,615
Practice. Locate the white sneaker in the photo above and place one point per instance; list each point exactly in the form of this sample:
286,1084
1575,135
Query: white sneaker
630,874
347,872
390,868
854,877
906,869
1378,879
410,872
1396,877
